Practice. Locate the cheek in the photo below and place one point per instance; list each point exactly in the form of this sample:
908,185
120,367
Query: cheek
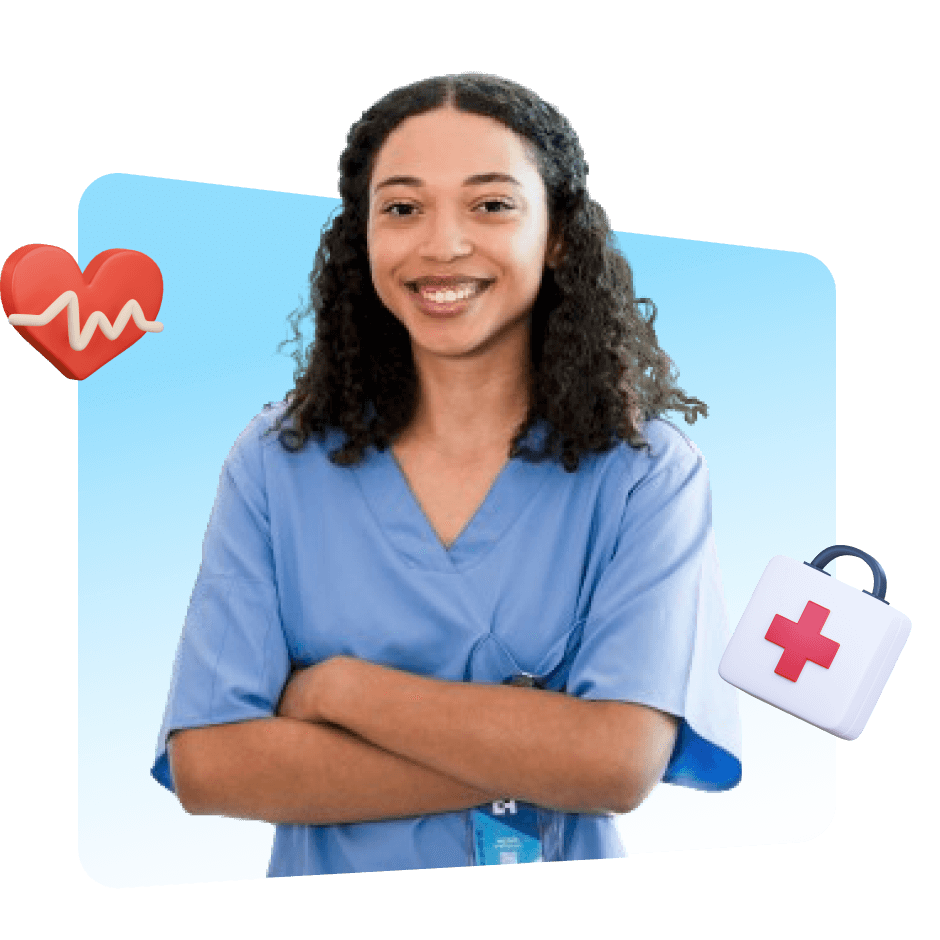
380,261
386,253
528,259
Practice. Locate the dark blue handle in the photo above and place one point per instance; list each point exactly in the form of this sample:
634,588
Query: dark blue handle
834,551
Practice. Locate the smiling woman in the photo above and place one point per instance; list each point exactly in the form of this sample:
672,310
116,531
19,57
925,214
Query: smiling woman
474,176
468,494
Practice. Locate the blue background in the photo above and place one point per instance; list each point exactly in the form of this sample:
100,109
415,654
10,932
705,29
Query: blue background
752,332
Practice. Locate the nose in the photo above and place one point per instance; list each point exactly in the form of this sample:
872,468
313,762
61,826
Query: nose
445,238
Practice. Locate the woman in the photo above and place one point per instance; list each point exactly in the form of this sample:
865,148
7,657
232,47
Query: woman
465,495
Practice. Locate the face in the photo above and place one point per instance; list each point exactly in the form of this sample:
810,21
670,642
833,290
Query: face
458,232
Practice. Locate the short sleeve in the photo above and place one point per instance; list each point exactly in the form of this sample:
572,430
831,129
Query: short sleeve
656,625
232,660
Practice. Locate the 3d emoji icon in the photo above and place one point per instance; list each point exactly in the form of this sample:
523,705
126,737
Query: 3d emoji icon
79,321
815,647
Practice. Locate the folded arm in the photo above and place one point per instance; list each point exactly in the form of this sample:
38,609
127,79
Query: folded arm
281,770
544,747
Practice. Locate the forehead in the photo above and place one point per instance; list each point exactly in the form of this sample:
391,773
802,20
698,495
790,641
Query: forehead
446,146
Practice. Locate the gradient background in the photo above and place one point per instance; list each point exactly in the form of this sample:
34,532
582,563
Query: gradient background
752,330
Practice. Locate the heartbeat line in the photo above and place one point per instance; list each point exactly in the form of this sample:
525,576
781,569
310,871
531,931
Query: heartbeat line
80,338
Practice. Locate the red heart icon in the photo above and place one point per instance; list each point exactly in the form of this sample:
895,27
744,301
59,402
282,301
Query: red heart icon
81,321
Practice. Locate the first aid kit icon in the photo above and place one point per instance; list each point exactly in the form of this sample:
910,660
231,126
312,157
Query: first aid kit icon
815,647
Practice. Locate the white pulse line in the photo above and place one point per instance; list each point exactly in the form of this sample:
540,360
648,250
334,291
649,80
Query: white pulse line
79,340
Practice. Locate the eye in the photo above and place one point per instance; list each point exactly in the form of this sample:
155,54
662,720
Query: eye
486,202
496,202
388,209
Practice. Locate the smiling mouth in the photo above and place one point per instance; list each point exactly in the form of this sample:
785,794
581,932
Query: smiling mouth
438,290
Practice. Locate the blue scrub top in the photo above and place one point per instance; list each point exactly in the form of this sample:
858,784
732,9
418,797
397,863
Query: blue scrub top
605,579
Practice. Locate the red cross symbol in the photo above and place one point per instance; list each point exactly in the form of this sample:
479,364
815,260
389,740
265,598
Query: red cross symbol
802,641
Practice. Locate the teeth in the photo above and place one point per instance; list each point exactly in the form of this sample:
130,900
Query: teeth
450,296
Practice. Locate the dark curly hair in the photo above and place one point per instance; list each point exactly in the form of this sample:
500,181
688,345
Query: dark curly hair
597,368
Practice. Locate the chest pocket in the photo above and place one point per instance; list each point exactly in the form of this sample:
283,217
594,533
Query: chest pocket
491,660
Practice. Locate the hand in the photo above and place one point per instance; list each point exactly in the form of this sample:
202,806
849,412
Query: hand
306,692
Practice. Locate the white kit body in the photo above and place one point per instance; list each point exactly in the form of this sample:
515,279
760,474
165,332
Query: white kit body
869,632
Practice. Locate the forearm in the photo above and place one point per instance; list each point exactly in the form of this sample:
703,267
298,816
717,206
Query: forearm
282,770
543,747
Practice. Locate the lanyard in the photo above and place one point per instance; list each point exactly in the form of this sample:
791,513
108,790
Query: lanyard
510,831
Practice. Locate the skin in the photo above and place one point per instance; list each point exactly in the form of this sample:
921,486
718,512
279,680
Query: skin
472,369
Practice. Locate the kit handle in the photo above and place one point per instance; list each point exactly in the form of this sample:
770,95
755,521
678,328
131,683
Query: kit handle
834,551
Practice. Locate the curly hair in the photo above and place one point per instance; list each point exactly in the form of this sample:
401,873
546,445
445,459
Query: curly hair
597,368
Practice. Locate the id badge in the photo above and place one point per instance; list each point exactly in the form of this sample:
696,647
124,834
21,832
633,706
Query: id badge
510,832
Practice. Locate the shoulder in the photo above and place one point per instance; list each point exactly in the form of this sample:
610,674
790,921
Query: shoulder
666,475
670,447
259,444
667,451
248,450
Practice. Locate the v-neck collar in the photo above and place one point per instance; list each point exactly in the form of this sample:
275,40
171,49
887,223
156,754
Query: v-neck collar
405,525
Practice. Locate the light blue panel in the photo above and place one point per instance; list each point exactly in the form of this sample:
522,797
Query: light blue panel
751,330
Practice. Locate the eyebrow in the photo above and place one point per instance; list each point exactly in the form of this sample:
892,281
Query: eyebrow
477,179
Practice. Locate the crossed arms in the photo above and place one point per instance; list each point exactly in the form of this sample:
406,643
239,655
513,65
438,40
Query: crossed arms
353,742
